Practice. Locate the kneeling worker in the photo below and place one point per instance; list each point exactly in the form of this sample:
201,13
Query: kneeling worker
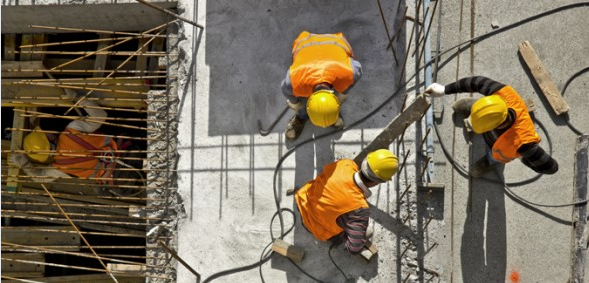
333,206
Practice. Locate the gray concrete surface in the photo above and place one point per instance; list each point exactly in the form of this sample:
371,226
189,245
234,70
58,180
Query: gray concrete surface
477,232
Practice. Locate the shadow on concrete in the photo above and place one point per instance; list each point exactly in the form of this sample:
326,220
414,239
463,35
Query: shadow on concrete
483,246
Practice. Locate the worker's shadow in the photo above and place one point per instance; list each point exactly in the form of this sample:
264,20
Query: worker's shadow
311,156
483,245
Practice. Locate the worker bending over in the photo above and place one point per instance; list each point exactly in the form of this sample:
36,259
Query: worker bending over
76,153
504,121
322,72
333,206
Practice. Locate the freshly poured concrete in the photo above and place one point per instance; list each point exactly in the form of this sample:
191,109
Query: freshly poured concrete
477,232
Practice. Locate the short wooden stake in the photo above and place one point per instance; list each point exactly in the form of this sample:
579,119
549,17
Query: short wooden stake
291,251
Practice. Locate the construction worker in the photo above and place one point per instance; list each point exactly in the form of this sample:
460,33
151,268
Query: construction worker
333,206
322,72
77,154
502,117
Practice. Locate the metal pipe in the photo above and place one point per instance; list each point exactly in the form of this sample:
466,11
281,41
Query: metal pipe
429,116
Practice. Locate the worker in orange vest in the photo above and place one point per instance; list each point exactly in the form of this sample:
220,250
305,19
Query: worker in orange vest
322,72
502,117
77,153
333,206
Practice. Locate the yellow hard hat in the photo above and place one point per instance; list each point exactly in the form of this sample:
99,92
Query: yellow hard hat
381,164
37,141
487,113
323,108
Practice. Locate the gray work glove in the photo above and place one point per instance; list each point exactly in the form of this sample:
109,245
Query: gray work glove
19,160
294,106
435,90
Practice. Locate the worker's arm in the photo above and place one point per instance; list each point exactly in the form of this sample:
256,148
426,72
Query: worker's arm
94,114
354,224
41,175
482,85
357,73
287,91
537,159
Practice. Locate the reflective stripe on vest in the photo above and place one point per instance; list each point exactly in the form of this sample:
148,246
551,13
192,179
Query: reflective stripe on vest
320,58
77,143
521,132
331,194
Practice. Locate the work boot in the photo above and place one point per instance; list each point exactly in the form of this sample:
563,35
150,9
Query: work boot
339,123
294,128
463,106
482,167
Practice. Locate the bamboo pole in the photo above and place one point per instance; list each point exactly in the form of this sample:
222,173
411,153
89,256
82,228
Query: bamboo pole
42,218
82,268
86,215
140,50
112,53
25,46
91,79
97,197
84,134
53,82
65,86
134,34
170,13
90,233
80,234
95,247
89,119
115,169
86,185
54,251
30,113
80,71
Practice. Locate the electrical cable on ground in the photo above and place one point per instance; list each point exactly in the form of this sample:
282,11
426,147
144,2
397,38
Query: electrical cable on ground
566,85
266,255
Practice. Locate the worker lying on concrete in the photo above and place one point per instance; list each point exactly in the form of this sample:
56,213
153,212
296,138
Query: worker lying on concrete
502,117
333,206
77,154
322,72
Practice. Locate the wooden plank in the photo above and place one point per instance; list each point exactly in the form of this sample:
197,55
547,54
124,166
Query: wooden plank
22,235
9,42
127,269
89,278
396,127
15,265
38,38
16,143
291,251
101,59
5,146
11,69
368,251
44,203
580,235
542,78
72,196
26,39
141,61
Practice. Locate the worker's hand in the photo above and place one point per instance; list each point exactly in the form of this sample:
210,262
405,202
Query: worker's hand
18,159
435,90
341,97
294,106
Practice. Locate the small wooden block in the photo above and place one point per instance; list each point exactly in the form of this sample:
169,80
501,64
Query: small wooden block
291,251
369,251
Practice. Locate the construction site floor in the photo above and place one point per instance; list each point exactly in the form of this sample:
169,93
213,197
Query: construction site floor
473,230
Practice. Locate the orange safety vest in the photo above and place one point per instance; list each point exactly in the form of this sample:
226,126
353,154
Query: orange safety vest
320,58
521,132
331,194
77,161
